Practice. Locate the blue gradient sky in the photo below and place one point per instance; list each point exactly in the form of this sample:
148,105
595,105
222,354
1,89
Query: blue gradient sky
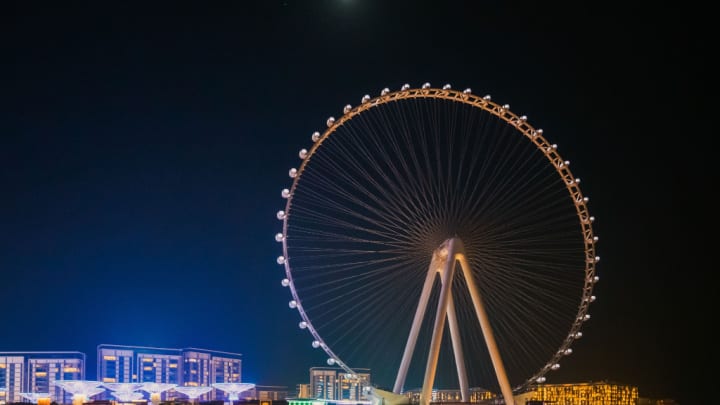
143,150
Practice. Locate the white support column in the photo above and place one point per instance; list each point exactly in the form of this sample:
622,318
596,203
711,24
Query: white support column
487,332
457,350
446,254
415,329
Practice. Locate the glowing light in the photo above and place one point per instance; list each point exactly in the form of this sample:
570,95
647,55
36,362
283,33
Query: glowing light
193,392
330,121
347,108
315,136
233,389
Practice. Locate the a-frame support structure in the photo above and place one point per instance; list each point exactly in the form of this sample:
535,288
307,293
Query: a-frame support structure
443,265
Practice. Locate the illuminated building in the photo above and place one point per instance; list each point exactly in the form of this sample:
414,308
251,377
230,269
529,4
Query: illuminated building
591,393
269,393
37,372
188,367
335,384
450,395
304,391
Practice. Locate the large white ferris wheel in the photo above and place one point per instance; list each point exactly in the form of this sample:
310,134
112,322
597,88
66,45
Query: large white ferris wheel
429,207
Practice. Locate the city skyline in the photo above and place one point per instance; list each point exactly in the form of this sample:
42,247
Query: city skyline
144,149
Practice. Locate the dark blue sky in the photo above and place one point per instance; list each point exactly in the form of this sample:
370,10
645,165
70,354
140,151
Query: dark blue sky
143,150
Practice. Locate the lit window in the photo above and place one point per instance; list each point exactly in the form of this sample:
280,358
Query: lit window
109,358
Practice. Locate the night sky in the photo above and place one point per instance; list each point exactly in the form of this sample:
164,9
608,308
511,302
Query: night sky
143,149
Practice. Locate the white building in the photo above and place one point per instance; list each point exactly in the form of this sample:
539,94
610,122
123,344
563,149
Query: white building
332,383
189,367
36,372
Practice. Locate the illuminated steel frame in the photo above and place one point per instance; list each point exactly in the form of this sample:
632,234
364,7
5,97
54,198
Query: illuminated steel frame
454,246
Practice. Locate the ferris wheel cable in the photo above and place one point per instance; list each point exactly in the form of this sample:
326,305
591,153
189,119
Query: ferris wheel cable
385,272
404,189
338,206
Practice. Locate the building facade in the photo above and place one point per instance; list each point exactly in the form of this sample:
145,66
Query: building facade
332,383
589,393
190,367
37,372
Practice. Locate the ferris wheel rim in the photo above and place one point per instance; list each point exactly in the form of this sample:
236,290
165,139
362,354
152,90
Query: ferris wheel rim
503,112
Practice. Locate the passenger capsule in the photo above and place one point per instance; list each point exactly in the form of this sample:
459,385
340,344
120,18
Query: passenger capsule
567,351
279,237
567,163
303,153
330,361
285,282
285,193
365,99
541,380
292,304
577,180
292,173
302,325
426,85
405,86
384,91
487,97
330,121
578,335
554,146
506,106
592,219
446,87
586,317
315,136
586,199
280,215
523,118
539,131
347,108
555,366
597,259
315,344
596,238
596,279
593,298
467,91
281,260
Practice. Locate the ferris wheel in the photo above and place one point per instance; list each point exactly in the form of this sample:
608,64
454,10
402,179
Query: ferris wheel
440,240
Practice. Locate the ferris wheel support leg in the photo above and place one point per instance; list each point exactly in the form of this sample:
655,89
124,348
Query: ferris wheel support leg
415,329
487,332
445,253
457,349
